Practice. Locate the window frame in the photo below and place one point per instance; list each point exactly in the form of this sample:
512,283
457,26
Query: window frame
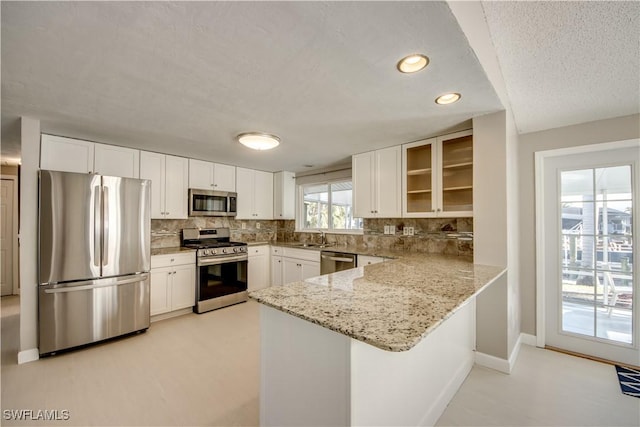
300,209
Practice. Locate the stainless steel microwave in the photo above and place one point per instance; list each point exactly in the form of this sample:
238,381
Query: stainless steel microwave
212,203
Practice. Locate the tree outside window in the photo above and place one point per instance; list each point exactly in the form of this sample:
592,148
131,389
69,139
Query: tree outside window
328,206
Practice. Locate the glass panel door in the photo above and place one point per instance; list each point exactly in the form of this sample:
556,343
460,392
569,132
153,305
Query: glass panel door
597,252
457,174
419,178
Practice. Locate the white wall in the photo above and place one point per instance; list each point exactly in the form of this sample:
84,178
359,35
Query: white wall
616,129
30,136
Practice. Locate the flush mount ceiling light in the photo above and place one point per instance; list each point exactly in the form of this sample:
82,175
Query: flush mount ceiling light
258,140
448,98
412,63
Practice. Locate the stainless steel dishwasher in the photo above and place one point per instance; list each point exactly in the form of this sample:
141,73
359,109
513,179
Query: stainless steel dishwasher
331,261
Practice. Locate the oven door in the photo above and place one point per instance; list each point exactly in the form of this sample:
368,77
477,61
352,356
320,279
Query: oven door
221,282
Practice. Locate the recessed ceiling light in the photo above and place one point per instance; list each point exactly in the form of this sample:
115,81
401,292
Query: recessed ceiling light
448,98
412,63
258,140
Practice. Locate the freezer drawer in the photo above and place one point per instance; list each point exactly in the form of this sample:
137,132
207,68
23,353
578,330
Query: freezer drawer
94,310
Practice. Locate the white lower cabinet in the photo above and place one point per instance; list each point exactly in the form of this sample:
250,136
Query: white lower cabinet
295,270
368,260
173,282
276,266
258,267
299,264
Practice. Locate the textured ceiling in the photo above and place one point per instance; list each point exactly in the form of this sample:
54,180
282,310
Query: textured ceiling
565,63
184,78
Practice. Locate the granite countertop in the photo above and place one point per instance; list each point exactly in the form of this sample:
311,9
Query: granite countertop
173,250
351,249
391,305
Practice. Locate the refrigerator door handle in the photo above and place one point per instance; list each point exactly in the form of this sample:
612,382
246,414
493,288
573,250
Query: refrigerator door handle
97,220
94,284
105,222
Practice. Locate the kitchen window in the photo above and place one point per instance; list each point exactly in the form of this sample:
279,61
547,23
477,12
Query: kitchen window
327,206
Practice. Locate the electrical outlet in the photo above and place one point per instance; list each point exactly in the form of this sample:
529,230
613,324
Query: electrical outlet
387,229
410,231
258,225
244,225
405,231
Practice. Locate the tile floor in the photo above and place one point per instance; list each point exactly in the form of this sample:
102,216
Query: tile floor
204,370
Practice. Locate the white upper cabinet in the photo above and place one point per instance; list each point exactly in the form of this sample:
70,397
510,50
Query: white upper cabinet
66,154
377,184
438,176
116,161
284,195
224,177
211,176
200,174
255,194
75,155
169,177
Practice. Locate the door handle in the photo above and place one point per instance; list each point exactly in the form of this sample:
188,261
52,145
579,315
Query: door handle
95,284
105,227
97,220
339,259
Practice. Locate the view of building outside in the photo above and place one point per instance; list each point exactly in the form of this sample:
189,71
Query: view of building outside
329,206
597,253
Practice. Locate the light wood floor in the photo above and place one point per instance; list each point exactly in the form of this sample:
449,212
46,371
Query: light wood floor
204,370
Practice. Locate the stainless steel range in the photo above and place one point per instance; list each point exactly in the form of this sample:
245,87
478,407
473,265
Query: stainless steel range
221,273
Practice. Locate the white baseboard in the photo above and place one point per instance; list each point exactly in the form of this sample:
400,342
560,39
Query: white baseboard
26,356
171,314
492,362
528,339
504,365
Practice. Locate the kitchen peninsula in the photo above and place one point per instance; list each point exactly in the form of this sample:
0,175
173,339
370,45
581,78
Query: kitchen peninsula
385,344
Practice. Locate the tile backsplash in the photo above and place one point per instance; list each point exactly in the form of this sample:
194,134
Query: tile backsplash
165,233
451,236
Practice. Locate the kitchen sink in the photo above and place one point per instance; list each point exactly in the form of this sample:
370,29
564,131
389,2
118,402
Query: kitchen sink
312,245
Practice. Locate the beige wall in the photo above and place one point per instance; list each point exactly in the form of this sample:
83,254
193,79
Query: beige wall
497,231
30,136
616,129
9,170
490,230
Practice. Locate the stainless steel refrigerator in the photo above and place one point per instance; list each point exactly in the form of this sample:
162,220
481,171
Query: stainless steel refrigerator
94,258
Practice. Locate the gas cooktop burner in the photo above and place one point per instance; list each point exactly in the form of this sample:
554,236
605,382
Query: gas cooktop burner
205,245
211,242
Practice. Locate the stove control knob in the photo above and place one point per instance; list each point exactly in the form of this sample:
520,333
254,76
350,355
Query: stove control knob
212,252
236,250
207,251
224,251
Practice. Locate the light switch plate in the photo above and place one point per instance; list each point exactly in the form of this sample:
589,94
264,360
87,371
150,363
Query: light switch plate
258,225
244,225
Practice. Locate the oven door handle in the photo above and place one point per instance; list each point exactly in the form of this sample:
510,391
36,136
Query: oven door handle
214,261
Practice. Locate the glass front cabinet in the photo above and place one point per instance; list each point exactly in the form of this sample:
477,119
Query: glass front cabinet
438,176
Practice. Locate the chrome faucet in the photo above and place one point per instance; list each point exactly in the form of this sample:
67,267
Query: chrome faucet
323,239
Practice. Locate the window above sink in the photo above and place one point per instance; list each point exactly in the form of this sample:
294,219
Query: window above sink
327,206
